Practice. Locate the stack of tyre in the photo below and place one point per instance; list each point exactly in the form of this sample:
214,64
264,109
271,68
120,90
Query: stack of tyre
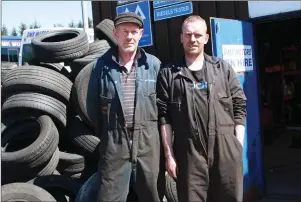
49,148
6,67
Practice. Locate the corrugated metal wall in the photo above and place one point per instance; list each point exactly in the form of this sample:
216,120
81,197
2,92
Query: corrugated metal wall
166,33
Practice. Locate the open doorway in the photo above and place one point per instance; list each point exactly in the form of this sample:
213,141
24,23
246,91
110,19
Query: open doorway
279,64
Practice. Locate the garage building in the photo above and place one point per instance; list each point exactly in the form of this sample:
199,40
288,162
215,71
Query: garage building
272,150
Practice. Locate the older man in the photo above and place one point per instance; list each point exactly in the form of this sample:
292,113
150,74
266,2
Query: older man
203,107
123,95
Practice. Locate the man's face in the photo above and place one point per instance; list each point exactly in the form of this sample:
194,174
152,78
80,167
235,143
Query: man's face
194,37
128,36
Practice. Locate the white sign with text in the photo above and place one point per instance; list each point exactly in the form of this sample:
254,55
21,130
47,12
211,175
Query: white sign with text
239,57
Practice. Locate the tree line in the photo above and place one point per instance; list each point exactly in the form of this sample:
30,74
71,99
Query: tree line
35,24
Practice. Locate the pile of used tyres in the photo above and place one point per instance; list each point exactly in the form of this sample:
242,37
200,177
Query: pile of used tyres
49,146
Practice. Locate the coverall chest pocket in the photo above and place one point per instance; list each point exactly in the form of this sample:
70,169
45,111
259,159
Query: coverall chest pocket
105,107
150,106
224,109
149,103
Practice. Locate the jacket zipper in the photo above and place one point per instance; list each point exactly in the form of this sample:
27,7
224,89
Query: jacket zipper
194,114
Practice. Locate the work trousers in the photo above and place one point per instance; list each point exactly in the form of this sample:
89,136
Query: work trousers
216,180
136,164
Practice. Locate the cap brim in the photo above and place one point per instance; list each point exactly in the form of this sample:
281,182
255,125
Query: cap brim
125,20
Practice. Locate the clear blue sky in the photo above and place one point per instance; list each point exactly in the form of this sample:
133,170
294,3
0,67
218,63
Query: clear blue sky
46,13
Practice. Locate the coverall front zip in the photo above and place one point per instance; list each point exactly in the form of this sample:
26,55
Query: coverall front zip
195,128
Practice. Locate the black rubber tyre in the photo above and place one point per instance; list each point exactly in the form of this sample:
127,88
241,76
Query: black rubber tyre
104,30
35,103
51,165
171,189
55,172
56,67
90,169
24,192
58,183
78,64
79,93
96,50
98,47
6,67
48,169
60,45
83,138
34,155
70,164
38,80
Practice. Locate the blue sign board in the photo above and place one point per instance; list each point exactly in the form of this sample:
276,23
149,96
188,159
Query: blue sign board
173,11
157,4
141,8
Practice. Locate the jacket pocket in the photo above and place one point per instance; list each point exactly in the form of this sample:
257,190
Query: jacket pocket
105,108
150,106
224,109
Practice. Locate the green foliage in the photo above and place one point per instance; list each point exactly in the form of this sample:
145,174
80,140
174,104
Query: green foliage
80,24
35,25
72,24
14,32
22,27
58,25
4,31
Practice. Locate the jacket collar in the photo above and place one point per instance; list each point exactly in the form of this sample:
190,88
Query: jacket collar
211,59
112,56
180,64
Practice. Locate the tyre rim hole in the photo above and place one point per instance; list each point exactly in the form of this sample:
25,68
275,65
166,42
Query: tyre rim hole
29,132
60,37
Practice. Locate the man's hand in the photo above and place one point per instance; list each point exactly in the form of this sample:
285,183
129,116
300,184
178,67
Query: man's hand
171,167
240,133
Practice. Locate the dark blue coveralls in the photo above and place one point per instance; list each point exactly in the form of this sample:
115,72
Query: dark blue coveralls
124,160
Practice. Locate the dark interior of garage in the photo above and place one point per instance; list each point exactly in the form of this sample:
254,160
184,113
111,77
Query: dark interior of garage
279,61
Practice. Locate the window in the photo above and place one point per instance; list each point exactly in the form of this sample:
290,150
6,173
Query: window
27,53
12,55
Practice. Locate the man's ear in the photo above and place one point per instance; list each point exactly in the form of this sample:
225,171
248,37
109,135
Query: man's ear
141,33
206,39
181,37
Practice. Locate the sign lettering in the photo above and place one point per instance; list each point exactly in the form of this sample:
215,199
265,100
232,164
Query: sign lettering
173,11
239,57
10,43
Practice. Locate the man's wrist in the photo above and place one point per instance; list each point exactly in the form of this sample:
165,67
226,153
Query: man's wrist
169,156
